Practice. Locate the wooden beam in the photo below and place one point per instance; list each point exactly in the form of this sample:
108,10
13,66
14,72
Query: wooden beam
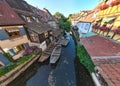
2,50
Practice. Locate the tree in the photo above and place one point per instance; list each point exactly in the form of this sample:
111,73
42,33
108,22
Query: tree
59,16
63,21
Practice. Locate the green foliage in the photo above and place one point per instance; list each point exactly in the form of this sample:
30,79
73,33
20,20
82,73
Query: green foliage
70,15
84,58
63,21
59,16
12,65
8,56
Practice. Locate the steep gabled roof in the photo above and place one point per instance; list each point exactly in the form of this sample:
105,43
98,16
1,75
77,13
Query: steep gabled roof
8,16
19,4
91,16
38,27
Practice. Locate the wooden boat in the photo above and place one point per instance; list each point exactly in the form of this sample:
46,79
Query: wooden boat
55,54
65,41
46,53
43,58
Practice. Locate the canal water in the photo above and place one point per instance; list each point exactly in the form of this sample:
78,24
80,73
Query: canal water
45,75
68,71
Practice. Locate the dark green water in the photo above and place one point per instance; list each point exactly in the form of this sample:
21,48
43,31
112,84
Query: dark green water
66,72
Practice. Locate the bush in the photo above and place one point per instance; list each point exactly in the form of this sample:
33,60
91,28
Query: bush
8,56
32,50
85,58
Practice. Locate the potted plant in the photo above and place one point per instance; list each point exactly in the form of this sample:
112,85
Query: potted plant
115,2
104,6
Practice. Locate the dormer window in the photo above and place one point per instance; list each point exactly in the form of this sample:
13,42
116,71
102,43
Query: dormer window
24,17
0,14
33,17
37,20
1,1
94,15
13,32
28,19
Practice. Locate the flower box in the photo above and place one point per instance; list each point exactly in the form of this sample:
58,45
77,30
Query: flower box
104,6
115,2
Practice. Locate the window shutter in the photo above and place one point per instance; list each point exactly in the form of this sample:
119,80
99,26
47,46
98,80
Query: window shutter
26,45
3,35
22,30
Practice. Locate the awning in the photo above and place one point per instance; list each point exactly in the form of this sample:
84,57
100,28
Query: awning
109,19
99,19
38,28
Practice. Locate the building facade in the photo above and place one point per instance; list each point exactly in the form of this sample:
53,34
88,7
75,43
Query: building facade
13,38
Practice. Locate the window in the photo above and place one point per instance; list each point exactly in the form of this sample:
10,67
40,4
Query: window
24,17
13,32
19,48
0,14
94,15
34,37
28,19
42,37
46,34
37,20
33,17
1,1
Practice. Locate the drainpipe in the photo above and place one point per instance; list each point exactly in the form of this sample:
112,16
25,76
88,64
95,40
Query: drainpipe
96,81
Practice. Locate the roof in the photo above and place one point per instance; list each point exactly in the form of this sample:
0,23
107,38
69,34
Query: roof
8,16
109,68
19,4
109,19
91,16
37,27
56,32
26,13
99,46
105,54
43,14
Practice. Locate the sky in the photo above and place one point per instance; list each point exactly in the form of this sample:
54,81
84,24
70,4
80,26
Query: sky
65,7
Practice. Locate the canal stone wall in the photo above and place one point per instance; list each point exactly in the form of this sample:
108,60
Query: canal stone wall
10,76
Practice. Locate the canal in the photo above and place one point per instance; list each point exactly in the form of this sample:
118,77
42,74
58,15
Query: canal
64,74
45,75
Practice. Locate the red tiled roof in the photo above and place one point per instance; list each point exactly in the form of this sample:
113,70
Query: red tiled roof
27,13
99,46
110,70
9,17
89,18
43,15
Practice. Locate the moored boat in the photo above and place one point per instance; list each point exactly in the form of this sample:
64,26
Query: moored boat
65,41
55,54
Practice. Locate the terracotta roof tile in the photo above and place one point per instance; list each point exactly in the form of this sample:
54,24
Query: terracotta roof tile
37,27
99,46
110,72
109,65
9,17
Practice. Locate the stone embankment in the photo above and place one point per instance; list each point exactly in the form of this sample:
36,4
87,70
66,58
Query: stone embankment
10,76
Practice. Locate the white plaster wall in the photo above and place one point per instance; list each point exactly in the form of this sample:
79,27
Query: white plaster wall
43,45
84,27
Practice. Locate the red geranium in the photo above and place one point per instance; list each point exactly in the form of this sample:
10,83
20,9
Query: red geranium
104,6
115,2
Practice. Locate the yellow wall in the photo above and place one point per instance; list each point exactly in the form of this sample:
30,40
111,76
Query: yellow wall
12,43
110,12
